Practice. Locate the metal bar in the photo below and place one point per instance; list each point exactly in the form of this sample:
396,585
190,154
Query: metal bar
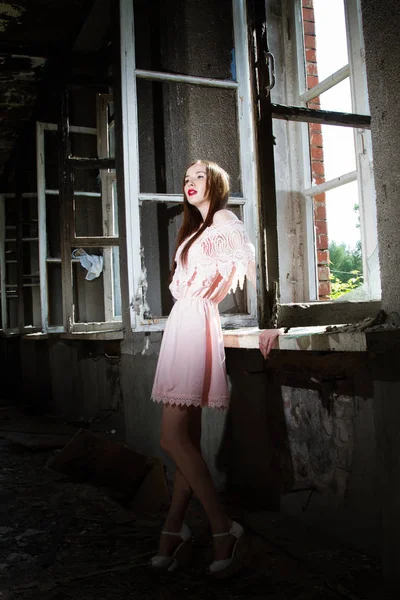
178,198
23,195
326,84
77,162
4,323
72,128
94,242
41,195
325,117
88,194
331,184
172,77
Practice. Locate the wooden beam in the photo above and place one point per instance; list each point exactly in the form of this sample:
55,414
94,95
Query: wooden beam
66,212
266,201
325,117
325,313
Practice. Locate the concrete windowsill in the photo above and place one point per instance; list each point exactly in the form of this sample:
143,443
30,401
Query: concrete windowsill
316,339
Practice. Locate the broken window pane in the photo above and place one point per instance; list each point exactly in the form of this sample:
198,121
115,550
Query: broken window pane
53,225
185,36
32,316
88,215
97,299
51,150
88,295
54,294
180,123
83,145
12,308
95,203
160,222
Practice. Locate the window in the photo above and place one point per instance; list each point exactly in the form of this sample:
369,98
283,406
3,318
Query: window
182,100
19,263
70,302
322,148
43,236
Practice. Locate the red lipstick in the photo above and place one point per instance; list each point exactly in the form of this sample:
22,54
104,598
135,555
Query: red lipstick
191,192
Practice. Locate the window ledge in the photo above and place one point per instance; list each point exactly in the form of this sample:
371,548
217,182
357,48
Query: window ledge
93,335
317,339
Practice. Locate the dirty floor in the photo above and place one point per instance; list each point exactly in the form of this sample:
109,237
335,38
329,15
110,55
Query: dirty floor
61,540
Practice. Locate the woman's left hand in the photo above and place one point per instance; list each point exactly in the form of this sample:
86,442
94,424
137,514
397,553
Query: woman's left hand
268,340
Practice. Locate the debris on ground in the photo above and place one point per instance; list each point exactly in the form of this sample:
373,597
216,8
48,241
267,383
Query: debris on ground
61,539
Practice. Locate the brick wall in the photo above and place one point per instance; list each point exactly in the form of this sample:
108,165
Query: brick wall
316,154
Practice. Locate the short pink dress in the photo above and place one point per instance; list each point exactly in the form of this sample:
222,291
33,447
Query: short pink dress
191,366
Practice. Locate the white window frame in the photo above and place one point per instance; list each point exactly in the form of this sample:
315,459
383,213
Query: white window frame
356,70
111,322
133,196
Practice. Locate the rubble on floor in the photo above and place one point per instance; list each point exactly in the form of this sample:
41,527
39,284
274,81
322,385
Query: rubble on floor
61,540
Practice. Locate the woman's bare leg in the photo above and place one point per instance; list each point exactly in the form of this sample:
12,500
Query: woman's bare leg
181,493
177,442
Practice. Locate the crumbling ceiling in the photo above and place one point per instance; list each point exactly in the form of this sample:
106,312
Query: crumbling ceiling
32,33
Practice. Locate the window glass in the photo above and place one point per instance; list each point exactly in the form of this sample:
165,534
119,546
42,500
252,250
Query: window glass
54,294
185,36
330,30
179,123
88,295
160,223
345,253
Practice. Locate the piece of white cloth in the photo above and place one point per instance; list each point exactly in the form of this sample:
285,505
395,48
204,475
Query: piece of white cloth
91,262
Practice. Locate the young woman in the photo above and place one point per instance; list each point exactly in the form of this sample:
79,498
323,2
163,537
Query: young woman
213,256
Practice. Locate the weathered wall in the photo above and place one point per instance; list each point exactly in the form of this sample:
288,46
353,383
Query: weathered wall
383,73
273,441
291,447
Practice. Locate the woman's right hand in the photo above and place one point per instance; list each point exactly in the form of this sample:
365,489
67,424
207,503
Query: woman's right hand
267,340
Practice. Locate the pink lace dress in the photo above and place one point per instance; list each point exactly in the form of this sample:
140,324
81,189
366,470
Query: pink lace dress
191,365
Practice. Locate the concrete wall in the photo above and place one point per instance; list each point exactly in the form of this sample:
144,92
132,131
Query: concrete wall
381,23
272,443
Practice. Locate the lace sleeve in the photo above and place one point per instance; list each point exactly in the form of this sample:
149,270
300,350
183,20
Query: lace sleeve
228,251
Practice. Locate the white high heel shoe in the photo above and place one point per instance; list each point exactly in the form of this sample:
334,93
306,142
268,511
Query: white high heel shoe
228,566
181,555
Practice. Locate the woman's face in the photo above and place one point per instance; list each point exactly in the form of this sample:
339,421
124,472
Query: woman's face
196,185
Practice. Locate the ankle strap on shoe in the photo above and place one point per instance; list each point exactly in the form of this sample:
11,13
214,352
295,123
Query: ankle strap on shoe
221,534
236,530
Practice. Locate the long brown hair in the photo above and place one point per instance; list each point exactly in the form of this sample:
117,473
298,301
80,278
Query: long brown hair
217,190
